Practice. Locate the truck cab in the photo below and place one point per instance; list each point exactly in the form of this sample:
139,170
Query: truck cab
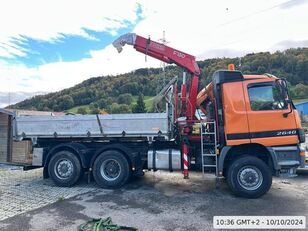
255,118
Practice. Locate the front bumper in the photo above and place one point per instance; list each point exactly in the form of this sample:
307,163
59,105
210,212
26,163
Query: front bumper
287,158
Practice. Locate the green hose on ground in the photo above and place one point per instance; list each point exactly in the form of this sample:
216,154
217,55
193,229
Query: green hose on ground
101,224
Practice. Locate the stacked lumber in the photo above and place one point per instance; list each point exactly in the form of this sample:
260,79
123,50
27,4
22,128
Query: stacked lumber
3,137
22,152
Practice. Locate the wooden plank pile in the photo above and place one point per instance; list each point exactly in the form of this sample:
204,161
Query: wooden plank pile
3,137
22,152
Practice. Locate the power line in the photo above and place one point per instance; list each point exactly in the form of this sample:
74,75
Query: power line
250,29
162,83
249,15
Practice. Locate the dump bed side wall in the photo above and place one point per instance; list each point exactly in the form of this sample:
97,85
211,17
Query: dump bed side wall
144,124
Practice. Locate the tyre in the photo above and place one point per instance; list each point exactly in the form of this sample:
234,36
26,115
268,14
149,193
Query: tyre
249,177
64,168
111,169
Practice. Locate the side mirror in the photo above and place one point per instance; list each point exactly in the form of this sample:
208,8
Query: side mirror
283,88
288,101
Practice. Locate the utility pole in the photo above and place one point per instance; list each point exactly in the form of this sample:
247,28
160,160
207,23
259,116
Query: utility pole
162,82
9,93
9,99
239,63
163,63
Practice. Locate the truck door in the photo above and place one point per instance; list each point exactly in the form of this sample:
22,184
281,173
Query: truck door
269,123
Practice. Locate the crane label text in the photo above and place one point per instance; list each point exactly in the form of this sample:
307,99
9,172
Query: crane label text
179,54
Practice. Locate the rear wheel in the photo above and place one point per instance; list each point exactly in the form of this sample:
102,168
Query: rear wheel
249,177
111,169
64,168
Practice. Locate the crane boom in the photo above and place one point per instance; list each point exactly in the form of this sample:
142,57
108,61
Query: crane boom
159,51
169,55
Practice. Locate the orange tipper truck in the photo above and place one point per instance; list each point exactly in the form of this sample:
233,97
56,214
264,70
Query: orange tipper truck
242,127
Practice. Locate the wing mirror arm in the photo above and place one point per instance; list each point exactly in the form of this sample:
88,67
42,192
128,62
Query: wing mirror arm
285,115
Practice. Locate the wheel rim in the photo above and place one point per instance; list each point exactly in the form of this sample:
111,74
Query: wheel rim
64,169
110,169
250,178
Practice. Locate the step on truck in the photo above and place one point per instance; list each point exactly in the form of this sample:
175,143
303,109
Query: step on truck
244,128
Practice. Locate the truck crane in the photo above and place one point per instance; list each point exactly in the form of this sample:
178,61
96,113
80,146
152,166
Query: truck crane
241,127
170,56
256,139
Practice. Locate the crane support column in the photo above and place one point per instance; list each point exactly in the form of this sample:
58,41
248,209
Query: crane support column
184,96
185,150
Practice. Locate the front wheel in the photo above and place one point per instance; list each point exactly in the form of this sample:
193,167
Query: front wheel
111,169
249,177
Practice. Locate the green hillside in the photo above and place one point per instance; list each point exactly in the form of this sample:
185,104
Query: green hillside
148,100
118,94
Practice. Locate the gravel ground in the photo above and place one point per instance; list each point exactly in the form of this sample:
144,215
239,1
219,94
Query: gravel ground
164,201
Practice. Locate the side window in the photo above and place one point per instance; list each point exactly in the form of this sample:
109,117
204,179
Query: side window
266,97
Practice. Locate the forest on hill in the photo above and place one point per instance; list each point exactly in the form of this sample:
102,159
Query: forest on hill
120,94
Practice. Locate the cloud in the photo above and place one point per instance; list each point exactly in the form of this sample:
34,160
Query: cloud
233,25
202,28
289,43
7,98
50,20
59,75
292,3
219,53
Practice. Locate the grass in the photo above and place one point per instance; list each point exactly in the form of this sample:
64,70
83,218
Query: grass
60,199
75,109
300,100
148,101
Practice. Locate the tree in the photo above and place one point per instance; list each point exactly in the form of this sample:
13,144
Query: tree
130,87
93,106
95,111
119,108
82,111
65,102
291,64
125,99
140,106
124,108
113,108
102,103
300,91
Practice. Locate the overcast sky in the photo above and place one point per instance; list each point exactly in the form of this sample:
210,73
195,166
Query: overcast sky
54,44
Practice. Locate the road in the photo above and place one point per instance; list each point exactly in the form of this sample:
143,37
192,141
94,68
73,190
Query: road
164,201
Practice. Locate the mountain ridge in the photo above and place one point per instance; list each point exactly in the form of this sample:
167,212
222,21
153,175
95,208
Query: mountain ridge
107,92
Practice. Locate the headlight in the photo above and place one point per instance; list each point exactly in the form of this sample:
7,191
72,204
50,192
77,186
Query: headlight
303,147
301,135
